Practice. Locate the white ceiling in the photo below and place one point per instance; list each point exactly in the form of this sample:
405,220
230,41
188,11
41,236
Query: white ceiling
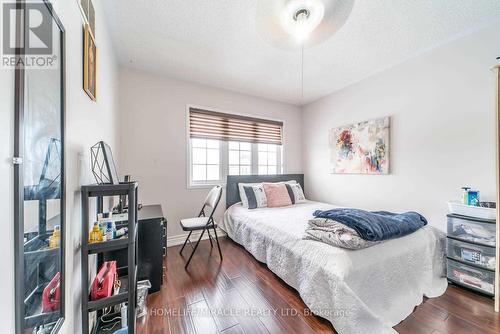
216,42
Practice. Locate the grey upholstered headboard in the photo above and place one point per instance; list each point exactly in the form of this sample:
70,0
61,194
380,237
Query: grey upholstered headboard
233,195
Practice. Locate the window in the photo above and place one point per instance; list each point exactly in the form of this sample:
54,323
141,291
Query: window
240,158
223,144
205,160
268,159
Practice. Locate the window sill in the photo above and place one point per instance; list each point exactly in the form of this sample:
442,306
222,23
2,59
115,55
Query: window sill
205,186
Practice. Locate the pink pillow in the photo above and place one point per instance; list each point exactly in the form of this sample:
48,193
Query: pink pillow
277,195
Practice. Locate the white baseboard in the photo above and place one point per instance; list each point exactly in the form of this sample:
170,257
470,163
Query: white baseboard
180,238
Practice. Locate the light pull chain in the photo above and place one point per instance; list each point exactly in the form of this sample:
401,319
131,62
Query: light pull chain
302,74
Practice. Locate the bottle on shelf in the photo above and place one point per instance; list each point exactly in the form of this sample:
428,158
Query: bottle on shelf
102,225
55,238
110,230
96,234
465,195
104,219
123,313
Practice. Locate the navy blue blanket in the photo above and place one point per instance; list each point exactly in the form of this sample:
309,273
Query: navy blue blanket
376,225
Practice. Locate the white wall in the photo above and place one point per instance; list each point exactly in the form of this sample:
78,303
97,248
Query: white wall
442,138
153,137
86,123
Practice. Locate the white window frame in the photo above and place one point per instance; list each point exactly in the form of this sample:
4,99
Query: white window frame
279,165
207,183
239,151
224,154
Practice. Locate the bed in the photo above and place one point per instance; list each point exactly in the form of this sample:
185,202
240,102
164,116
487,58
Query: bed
358,291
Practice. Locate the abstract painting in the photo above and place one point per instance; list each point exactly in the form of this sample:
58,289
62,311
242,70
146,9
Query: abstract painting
360,148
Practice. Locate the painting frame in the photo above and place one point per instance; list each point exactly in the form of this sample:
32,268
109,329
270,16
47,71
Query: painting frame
83,5
361,148
90,58
91,18
87,12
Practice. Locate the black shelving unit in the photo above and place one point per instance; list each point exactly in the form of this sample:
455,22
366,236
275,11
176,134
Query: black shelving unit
128,275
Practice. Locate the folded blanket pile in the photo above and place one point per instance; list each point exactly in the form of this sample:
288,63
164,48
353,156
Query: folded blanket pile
375,225
335,234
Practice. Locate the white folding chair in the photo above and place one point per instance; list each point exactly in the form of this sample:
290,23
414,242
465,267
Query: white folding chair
202,222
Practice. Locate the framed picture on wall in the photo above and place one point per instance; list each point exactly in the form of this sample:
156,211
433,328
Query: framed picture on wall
360,148
91,17
84,8
90,64
88,13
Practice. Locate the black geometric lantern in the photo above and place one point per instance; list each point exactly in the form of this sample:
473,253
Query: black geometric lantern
103,165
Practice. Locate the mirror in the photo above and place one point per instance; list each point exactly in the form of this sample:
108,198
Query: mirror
40,184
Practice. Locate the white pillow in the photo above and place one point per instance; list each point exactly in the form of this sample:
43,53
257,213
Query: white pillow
298,193
259,194
243,196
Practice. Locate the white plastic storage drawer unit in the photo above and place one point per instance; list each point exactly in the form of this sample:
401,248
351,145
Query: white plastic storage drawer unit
473,230
477,255
470,249
472,277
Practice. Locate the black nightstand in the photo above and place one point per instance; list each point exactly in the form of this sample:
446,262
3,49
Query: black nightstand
151,247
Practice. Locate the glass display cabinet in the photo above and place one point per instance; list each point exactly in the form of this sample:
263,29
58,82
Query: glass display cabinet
39,217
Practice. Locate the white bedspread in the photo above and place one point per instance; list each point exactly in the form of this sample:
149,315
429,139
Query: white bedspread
359,291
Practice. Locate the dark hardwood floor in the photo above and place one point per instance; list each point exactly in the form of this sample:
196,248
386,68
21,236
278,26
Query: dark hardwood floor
240,295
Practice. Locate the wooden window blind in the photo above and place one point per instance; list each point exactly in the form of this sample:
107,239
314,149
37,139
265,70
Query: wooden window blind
215,125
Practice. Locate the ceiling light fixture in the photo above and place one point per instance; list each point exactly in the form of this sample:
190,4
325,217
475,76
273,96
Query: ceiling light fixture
300,24
300,17
284,23
302,31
